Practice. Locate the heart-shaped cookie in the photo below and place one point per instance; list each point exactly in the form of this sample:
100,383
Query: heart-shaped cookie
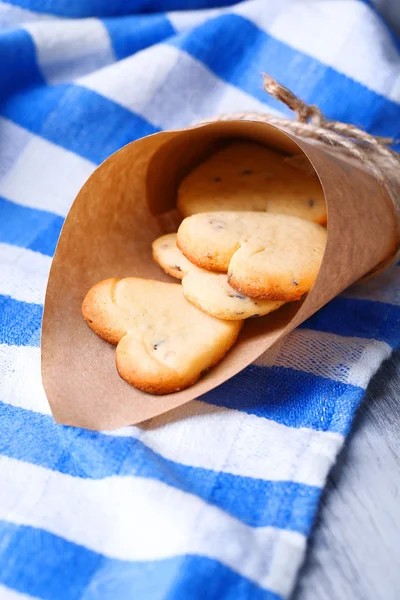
267,256
167,254
164,343
212,293
208,291
246,176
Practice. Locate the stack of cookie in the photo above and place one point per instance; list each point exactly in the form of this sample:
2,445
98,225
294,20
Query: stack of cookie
251,239
233,263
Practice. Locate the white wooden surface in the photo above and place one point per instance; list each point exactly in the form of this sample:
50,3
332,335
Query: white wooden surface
355,547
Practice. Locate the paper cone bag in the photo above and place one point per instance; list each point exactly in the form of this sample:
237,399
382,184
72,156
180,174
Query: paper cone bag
127,203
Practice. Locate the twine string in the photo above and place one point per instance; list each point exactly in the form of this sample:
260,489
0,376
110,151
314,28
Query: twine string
371,151
310,122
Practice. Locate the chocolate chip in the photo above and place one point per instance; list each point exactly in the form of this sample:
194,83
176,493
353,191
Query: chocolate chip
238,296
256,315
295,282
217,178
311,202
217,223
204,371
247,172
90,321
177,268
240,313
155,346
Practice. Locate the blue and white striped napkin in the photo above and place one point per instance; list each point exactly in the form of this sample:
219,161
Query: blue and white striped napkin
215,500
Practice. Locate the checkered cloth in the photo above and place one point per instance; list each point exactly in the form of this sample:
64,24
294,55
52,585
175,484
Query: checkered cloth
217,499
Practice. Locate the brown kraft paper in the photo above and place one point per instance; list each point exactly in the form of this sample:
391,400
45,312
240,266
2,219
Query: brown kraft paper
127,203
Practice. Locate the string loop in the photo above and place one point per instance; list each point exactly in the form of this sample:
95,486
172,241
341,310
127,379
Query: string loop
310,122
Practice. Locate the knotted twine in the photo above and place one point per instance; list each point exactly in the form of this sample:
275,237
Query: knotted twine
373,152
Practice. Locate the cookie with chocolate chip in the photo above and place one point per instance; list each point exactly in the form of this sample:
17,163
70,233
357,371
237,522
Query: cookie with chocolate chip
267,256
212,293
246,176
164,343
169,257
208,291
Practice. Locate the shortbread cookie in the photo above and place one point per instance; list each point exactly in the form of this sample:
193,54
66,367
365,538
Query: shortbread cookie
169,257
208,291
209,240
164,342
267,256
246,176
212,293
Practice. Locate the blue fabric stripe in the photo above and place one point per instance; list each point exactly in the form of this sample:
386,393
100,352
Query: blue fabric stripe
103,8
227,41
30,228
35,438
130,34
50,567
87,123
17,48
362,318
292,398
19,322
77,119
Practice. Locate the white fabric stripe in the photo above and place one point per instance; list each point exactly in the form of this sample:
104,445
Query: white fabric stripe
13,140
13,16
236,441
382,288
9,594
19,365
345,35
337,34
351,360
44,175
169,88
24,273
153,521
239,444
70,48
